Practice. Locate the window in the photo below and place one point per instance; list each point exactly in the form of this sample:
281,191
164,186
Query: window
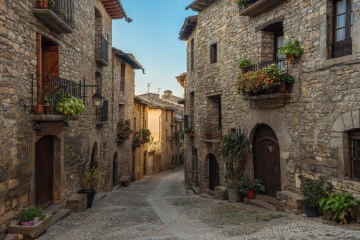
354,143
342,28
192,54
122,78
213,53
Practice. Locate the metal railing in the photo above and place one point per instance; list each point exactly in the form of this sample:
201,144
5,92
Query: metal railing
248,4
101,48
341,48
47,90
282,63
63,9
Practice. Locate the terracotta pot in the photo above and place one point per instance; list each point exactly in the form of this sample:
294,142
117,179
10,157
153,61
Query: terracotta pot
250,194
290,58
39,109
43,4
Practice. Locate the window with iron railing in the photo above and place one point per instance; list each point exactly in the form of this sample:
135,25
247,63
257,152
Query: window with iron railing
102,113
101,50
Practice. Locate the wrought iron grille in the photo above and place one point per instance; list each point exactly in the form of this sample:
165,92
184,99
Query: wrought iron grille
341,48
101,48
50,89
248,4
102,113
280,62
63,9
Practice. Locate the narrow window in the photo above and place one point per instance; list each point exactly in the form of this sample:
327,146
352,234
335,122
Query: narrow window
354,143
342,30
122,78
192,54
213,53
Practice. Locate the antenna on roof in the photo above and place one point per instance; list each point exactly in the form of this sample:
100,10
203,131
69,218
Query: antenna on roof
159,91
148,86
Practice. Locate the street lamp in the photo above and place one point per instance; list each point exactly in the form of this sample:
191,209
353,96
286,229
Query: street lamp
97,98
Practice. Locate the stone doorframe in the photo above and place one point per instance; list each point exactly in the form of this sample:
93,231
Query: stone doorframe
58,184
272,119
339,139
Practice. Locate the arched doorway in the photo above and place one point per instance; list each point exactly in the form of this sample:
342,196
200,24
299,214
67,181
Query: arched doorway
44,171
213,172
94,157
266,153
115,174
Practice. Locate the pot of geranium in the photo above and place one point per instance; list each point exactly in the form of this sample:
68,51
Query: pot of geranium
243,186
190,130
92,178
145,135
313,190
291,50
123,131
243,64
339,207
234,147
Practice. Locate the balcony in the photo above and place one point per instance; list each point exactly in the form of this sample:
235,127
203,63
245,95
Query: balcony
101,50
46,91
58,15
254,7
281,62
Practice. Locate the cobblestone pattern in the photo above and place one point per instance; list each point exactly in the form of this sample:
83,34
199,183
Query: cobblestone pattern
159,207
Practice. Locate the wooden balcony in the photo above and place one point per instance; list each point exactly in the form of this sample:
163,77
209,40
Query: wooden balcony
256,6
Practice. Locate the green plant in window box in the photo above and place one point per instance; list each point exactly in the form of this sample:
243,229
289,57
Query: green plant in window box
70,105
291,50
123,131
243,63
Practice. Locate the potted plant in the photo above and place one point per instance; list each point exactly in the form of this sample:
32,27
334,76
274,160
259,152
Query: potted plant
291,50
313,190
27,216
244,63
242,185
208,133
70,105
123,131
256,187
234,147
92,177
340,207
145,133
190,130
136,140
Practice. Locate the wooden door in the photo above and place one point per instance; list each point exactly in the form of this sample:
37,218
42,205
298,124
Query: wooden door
44,171
213,172
266,154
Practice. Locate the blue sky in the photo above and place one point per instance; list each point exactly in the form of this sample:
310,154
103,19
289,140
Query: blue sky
153,38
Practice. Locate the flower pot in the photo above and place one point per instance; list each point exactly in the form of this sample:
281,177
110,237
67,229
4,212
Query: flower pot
90,197
234,195
250,194
43,4
290,58
39,109
27,224
311,211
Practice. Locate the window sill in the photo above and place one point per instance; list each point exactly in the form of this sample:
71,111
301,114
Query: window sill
339,60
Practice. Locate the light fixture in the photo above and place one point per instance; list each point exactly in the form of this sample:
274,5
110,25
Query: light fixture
38,126
97,98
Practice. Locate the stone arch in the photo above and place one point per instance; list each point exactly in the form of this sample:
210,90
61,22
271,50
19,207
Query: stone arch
344,123
275,122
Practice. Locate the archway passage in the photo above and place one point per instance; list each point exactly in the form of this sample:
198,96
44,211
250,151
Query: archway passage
44,171
266,154
213,172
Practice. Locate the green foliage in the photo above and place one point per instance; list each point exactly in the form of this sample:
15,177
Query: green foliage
145,132
70,105
313,190
241,3
243,185
92,177
338,205
258,185
235,145
189,129
291,48
136,141
244,63
29,214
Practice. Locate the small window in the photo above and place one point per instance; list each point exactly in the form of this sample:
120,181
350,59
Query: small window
354,144
192,54
122,78
342,28
213,53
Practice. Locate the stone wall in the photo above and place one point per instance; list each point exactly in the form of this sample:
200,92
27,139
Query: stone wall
74,144
311,126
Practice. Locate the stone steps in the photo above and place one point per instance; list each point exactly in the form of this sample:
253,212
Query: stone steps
63,213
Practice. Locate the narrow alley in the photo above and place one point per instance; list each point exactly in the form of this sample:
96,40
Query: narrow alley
159,207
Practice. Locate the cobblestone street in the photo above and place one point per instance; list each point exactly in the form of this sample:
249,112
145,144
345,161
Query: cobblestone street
159,207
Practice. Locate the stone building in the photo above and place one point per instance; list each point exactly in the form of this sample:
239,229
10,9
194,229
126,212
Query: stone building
50,50
165,123
313,128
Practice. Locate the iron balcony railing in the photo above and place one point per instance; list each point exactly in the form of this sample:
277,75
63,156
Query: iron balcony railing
63,9
281,62
101,50
341,48
47,90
